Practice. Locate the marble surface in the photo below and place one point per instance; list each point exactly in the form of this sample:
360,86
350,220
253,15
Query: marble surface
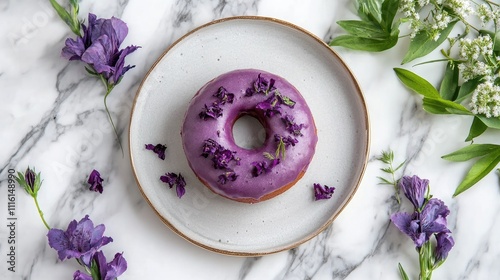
52,117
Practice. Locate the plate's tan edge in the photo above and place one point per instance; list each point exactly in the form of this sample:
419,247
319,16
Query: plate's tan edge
367,130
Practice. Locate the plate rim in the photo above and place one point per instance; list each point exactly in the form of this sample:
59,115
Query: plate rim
330,220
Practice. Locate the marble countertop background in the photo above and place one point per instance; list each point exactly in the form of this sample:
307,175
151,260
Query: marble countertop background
52,117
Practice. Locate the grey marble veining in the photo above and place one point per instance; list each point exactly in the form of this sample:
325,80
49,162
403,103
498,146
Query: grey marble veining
52,116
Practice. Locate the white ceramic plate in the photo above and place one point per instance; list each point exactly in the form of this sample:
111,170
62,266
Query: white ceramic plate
337,104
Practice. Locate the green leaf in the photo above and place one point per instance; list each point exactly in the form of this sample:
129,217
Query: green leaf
490,122
444,106
389,10
364,44
449,85
385,181
63,14
471,151
467,88
477,128
402,272
370,10
478,171
423,44
363,29
416,83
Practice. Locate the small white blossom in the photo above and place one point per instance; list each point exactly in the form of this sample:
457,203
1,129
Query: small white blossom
473,49
486,100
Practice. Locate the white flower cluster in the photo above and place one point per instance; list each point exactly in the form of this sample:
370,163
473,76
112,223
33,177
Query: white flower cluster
433,24
486,100
475,52
487,14
460,7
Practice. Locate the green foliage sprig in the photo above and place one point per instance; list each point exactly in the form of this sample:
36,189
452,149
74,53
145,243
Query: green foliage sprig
470,83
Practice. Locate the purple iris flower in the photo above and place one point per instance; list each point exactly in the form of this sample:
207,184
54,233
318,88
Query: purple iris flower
107,271
421,226
444,243
95,181
322,192
176,180
414,189
100,48
158,149
81,240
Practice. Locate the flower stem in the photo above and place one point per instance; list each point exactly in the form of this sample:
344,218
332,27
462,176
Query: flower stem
109,88
41,213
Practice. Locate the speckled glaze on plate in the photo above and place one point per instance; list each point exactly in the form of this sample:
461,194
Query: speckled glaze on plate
332,93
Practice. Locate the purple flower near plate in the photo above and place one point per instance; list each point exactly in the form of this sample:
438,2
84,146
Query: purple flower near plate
100,48
95,181
176,180
158,149
80,240
322,192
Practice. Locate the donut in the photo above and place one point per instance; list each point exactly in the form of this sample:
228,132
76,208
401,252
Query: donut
242,174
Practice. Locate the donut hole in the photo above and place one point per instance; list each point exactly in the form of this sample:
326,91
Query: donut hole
248,132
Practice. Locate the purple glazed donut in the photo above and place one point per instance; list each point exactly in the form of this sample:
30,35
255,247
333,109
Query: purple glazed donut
248,175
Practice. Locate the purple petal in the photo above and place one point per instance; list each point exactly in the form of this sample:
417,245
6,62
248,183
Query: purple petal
95,181
158,149
78,275
116,267
433,217
59,242
119,28
414,189
322,192
443,246
73,49
120,70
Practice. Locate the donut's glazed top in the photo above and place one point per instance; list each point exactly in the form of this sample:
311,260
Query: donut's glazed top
196,130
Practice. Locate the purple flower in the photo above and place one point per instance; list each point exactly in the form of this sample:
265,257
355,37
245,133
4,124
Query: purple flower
323,192
443,246
260,167
95,181
81,240
224,96
433,217
213,111
292,127
30,177
414,189
178,181
100,48
107,271
210,147
261,86
158,149
409,224
421,226
229,175
270,106
287,141
221,157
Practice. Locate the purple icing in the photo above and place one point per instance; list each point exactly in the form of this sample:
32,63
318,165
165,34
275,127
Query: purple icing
247,187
